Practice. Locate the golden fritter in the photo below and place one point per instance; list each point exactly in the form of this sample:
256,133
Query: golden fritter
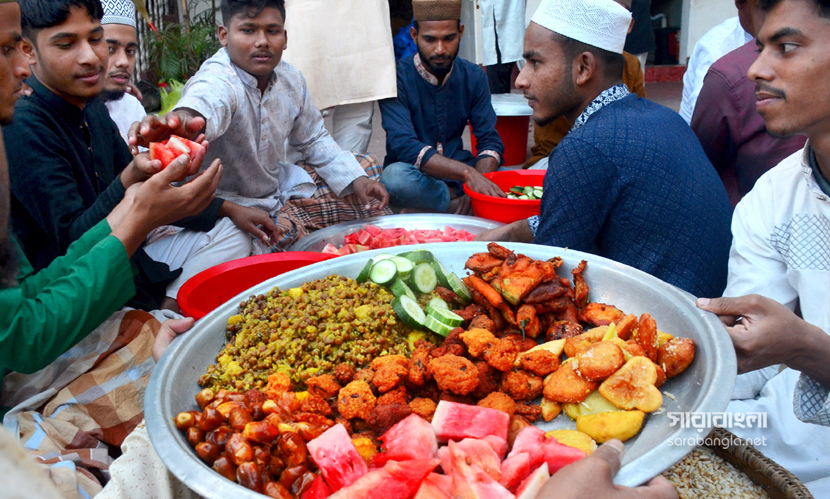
386,416
481,263
518,276
483,322
325,386
423,407
676,355
454,374
522,344
535,386
389,359
563,329
471,312
565,386
626,326
647,337
600,314
478,341
516,385
316,404
390,375
364,375
530,412
528,321
344,373
489,379
417,375
540,362
580,286
502,355
500,402
278,383
599,361
545,292
356,400
396,396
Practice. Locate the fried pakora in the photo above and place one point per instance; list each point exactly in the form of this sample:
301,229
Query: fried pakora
396,396
599,361
540,362
386,416
580,286
478,341
344,373
600,314
530,412
390,375
483,322
489,379
500,402
647,336
501,355
316,404
563,329
454,374
676,355
356,400
423,407
566,386
325,386
417,375
481,263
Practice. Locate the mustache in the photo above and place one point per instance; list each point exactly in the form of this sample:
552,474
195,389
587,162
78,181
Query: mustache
762,87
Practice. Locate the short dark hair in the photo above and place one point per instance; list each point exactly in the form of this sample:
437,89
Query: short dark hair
248,8
613,64
36,15
822,6
418,26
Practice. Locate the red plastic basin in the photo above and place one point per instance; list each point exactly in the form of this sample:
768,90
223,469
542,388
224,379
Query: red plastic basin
503,209
210,288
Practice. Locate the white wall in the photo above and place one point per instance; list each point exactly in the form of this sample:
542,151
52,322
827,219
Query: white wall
699,16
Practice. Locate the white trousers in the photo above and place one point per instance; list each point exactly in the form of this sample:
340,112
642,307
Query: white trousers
352,126
194,251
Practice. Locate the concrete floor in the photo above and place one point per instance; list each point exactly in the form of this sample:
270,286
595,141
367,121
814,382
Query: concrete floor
665,93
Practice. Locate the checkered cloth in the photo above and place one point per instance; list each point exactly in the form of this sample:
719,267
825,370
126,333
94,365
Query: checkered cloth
811,401
299,217
90,398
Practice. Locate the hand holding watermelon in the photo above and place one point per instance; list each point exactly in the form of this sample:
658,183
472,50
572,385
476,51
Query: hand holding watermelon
181,122
175,146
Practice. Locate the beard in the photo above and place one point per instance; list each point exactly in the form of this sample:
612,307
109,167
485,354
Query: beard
111,95
564,99
439,70
9,261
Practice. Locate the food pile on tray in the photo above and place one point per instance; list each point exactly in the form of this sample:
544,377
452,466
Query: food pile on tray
378,428
373,237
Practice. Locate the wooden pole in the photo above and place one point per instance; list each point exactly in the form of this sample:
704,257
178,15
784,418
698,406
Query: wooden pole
186,17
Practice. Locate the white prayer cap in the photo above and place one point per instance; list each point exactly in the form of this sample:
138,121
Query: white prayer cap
118,12
599,23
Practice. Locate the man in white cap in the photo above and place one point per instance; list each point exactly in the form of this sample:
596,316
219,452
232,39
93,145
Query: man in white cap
122,40
630,181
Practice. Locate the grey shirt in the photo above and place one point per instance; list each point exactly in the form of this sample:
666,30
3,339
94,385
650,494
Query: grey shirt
248,130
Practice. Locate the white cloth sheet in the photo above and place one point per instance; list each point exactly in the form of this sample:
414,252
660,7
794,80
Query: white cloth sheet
504,19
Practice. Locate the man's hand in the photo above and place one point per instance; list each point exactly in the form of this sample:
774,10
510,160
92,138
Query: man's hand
180,122
254,221
134,91
372,194
481,184
593,478
169,330
517,232
142,167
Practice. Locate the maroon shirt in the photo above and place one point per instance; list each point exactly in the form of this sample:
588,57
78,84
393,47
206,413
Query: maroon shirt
730,129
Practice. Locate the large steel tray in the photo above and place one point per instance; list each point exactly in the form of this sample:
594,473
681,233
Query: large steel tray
704,388
336,234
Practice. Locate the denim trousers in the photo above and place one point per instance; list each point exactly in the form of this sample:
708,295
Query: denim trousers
408,187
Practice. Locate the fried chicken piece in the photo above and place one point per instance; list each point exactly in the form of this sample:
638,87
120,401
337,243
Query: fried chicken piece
498,251
454,374
515,384
417,375
447,295
396,396
390,375
492,312
481,263
580,286
389,359
316,404
356,400
471,312
384,417
540,362
325,386
569,313
454,338
555,305
530,412
502,355
545,292
278,383
478,341
600,314
423,407
517,278
344,373
488,380
500,402
528,321
365,375
563,329
483,322
522,344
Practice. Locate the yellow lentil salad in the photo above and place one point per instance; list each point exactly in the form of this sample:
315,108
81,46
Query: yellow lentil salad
307,331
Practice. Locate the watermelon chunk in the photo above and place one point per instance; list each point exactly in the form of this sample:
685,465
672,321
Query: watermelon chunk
396,480
533,484
318,489
469,481
459,421
431,489
410,438
337,458
532,440
373,230
331,250
163,153
444,482
515,469
498,444
479,452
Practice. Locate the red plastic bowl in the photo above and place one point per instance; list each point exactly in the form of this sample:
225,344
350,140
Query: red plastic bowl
503,209
210,288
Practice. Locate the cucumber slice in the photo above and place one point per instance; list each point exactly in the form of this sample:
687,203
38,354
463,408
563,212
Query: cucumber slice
383,272
419,256
447,317
517,189
409,311
404,265
424,278
437,326
538,193
399,288
441,273
524,196
437,303
458,287
528,189
382,256
363,276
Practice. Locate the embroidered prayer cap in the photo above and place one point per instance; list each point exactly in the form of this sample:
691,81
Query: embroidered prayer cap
599,23
119,12
436,10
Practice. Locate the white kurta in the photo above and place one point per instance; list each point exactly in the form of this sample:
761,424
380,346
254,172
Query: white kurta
343,49
124,112
504,19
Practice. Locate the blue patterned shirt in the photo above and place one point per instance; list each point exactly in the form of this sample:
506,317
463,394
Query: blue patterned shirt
632,183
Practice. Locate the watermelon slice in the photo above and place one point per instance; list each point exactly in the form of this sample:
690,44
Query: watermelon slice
172,148
540,448
410,438
337,457
469,481
531,487
331,250
318,489
443,482
515,469
396,480
498,444
479,452
459,421
430,489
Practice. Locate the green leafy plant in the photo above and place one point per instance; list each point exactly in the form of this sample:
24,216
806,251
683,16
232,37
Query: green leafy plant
176,52
171,97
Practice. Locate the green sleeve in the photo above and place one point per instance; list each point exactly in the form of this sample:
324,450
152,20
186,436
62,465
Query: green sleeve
76,296
32,283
